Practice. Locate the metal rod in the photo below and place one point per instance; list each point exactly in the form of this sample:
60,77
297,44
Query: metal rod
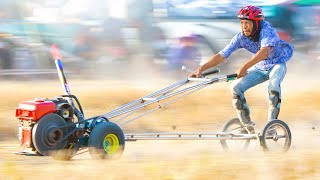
59,66
138,101
193,138
190,136
143,114
200,79
178,133
154,109
126,108
109,116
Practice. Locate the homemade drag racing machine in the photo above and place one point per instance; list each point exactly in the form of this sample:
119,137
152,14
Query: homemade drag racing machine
57,127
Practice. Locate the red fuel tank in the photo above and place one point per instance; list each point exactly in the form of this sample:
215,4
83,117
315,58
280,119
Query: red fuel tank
34,109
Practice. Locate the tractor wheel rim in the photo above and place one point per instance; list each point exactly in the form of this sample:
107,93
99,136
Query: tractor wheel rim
110,143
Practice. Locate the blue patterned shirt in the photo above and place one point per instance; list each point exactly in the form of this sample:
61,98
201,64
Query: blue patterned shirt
281,51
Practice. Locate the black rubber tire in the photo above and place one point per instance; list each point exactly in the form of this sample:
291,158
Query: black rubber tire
97,141
36,152
71,148
285,128
226,127
69,151
40,134
65,154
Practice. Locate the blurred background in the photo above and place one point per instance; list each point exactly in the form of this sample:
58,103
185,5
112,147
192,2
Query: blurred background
105,39
117,51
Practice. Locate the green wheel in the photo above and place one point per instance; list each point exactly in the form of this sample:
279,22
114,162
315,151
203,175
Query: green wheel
106,141
47,135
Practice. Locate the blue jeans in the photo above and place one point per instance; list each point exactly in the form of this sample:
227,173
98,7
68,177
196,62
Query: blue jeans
254,77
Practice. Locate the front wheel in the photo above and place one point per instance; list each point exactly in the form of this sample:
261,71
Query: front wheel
276,136
234,126
106,141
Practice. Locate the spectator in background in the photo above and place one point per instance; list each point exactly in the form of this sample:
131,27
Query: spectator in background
184,53
140,15
5,56
83,45
114,38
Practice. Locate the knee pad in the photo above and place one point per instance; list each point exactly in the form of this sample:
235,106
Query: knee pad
274,97
238,103
242,110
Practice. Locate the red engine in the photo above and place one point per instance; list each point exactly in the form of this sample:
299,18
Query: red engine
34,110
29,112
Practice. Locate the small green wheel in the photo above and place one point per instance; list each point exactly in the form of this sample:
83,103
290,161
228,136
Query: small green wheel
106,141
47,135
276,136
234,126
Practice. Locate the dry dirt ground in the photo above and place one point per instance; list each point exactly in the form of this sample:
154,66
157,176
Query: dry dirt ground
205,110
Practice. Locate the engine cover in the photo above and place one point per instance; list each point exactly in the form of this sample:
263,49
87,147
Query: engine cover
35,109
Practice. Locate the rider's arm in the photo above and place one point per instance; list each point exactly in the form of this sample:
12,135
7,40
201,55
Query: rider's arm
213,61
262,54
219,57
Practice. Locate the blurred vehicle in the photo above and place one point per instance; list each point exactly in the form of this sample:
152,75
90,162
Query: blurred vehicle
24,57
22,53
199,9
296,21
211,36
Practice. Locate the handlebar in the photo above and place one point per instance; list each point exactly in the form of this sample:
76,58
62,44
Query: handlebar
210,72
229,77
184,68
232,76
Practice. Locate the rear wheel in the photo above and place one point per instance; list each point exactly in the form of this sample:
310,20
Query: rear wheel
65,154
276,136
234,126
47,135
72,146
36,152
106,141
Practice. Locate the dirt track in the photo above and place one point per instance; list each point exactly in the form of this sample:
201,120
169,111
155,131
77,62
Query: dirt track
206,111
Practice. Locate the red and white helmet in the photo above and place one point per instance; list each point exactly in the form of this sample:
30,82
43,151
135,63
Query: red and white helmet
251,13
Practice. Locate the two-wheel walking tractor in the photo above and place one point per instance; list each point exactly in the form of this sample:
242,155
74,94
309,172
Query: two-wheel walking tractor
57,127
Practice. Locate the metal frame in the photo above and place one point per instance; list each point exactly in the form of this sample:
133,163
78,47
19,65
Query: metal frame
125,113
171,93
190,136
